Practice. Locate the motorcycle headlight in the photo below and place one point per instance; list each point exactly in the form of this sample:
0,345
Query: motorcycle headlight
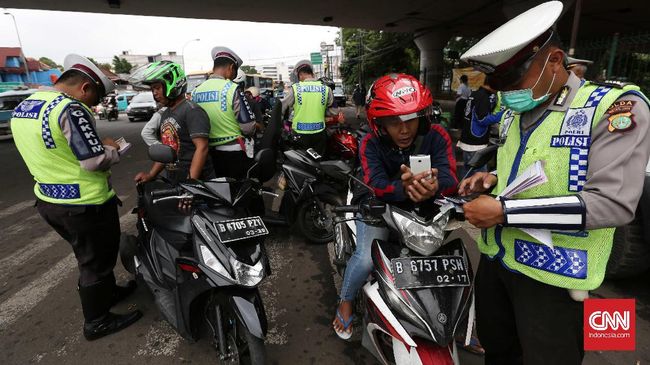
424,239
248,275
212,262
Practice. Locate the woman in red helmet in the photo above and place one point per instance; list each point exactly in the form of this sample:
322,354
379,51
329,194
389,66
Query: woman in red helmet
399,113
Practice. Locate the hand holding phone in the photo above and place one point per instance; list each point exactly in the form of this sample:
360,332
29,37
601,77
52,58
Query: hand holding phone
420,164
123,145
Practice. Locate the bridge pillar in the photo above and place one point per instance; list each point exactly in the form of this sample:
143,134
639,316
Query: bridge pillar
431,44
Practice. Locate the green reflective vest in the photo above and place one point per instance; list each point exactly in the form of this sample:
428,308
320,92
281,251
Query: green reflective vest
309,106
39,139
216,97
562,140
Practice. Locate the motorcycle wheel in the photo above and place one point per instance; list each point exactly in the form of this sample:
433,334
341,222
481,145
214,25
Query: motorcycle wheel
317,227
128,250
243,348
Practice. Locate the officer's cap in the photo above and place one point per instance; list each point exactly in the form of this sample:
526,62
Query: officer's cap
301,64
225,52
85,66
504,54
570,62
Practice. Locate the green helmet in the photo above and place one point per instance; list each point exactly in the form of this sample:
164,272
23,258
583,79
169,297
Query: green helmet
169,73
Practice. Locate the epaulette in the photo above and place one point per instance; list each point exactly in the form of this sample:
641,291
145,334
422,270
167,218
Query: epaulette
611,83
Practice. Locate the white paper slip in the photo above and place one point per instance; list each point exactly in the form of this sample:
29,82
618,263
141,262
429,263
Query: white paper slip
531,177
123,144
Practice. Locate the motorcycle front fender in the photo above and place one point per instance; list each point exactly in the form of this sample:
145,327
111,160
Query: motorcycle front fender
250,312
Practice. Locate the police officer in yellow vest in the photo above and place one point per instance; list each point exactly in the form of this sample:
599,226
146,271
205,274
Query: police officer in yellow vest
311,101
54,131
231,118
592,139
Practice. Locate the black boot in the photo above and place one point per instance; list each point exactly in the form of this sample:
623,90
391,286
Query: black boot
96,300
121,292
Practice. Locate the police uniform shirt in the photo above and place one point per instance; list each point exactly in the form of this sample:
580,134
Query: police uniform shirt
243,111
75,120
287,102
617,161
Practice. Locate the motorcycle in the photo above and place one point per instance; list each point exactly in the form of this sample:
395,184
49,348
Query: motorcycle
314,188
111,112
204,266
420,294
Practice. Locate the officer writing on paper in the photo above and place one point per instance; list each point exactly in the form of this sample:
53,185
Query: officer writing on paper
593,139
54,131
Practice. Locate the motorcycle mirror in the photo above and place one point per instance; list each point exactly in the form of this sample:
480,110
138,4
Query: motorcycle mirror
370,189
162,153
483,156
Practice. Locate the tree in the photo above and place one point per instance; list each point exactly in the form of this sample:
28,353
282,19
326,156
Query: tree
248,69
50,63
105,66
121,65
371,54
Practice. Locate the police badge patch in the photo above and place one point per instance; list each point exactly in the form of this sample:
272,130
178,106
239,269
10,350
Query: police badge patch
621,118
29,108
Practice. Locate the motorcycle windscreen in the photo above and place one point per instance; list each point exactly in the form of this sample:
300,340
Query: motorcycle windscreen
435,311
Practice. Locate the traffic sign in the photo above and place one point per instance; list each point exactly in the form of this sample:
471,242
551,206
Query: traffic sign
316,58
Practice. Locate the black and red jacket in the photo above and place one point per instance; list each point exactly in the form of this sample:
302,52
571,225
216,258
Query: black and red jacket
381,161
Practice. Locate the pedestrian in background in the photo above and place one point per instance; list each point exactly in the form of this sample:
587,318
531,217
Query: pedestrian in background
462,95
55,134
359,99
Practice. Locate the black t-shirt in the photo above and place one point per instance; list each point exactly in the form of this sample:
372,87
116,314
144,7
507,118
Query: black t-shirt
479,103
178,126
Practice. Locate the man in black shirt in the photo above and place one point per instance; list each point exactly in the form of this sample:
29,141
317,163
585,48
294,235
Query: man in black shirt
184,126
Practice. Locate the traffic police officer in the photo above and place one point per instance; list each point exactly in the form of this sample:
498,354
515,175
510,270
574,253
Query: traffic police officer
311,101
231,118
578,66
593,140
54,131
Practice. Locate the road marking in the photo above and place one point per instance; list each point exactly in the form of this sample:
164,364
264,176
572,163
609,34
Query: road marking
161,340
16,208
27,298
9,263
31,295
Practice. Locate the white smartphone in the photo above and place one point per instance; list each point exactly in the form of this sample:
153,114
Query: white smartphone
420,163
123,144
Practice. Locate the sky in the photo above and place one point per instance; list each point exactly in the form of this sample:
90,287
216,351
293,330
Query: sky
54,34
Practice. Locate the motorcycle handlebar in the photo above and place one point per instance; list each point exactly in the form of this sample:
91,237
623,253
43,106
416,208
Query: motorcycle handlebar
346,209
163,192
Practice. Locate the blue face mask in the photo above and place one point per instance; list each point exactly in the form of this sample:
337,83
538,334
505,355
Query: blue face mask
522,100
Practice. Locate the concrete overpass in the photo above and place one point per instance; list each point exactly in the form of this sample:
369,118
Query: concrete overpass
433,21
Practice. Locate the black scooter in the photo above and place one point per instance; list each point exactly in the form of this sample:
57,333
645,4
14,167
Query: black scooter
204,266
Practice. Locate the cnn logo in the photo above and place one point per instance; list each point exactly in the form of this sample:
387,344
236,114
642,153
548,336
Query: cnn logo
603,321
609,324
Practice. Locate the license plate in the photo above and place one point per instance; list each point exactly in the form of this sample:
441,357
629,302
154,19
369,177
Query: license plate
428,272
240,229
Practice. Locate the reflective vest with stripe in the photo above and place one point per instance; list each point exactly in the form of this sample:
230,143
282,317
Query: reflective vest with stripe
59,177
309,106
216,97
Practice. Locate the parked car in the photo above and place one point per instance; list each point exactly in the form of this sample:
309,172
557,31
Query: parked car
339,95
8,101
142,106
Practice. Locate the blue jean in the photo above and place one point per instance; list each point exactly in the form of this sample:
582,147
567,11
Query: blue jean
466,157
360,264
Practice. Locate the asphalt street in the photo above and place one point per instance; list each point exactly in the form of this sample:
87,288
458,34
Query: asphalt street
40,314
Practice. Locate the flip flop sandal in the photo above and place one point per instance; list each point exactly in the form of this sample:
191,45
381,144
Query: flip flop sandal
345,334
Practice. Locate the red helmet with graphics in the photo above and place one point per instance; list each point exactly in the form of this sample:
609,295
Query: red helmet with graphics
398,96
